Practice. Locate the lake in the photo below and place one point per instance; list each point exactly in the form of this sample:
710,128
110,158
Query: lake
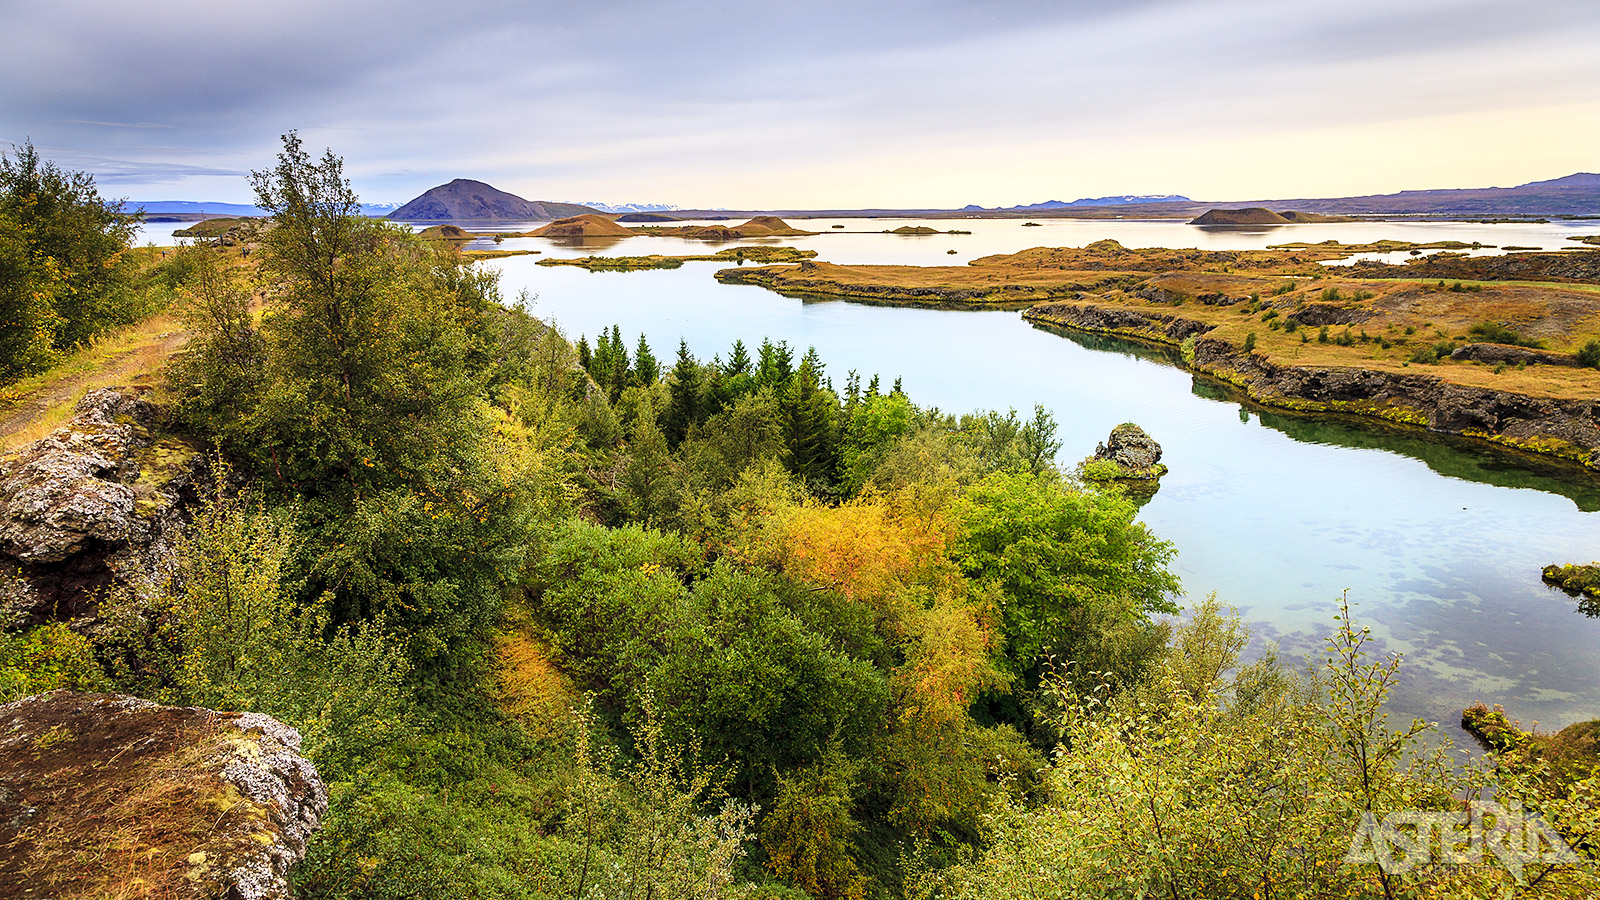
1438,541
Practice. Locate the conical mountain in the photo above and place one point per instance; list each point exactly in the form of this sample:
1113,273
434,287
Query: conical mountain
468,199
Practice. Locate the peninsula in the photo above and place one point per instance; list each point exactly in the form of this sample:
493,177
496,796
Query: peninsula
1499,348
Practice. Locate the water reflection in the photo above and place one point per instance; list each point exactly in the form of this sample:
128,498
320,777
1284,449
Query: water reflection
592,243
1238,229
1446,454
1449,455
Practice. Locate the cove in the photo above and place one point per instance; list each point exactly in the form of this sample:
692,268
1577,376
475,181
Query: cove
1438,541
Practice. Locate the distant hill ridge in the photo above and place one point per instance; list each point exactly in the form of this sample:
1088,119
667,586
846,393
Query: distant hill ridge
1115,200
464,198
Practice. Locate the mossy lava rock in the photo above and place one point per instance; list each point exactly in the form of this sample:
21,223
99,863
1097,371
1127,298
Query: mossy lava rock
1129,458
1128,453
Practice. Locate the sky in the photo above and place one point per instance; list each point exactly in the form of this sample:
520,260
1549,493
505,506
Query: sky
812,105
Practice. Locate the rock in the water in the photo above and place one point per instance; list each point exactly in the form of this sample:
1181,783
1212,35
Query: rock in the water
1135,452
97,790
90,510
1130,460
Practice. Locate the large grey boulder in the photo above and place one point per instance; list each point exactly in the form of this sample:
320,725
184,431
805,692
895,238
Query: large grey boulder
1136,453
91,510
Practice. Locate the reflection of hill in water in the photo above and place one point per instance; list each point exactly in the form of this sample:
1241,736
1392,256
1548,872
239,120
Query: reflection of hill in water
1446,454
1104,343
1449,455
587,242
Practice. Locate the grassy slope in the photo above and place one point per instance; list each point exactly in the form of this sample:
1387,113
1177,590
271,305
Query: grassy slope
134,356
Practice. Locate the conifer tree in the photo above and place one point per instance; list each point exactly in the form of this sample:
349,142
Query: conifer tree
738,360
585,356
645,368
683,405
775,365
810,426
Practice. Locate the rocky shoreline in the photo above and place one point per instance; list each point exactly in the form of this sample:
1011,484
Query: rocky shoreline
1564,428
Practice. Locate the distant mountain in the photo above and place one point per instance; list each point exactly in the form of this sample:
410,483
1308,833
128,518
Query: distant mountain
1576,194
1117,200
197,207
467,199
630,207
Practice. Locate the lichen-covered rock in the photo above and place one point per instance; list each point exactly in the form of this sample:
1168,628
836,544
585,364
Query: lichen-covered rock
1135,453
99,791
90,510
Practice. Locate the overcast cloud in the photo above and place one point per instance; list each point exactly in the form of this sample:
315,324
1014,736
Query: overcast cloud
812,104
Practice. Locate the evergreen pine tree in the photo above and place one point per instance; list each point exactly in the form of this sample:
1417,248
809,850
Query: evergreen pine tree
585,357
683,405
775,365
738,360
645,368
810,424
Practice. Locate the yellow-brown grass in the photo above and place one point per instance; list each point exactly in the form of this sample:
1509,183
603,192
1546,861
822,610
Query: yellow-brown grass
35,406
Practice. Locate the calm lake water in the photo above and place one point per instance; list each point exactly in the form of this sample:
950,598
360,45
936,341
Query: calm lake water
1439,542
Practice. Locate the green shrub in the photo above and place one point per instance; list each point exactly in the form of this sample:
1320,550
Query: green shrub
1100,470
1495,333
1250,342
44,659
1589,355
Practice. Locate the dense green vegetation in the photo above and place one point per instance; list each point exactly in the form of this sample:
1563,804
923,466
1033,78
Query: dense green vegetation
66,274
567,620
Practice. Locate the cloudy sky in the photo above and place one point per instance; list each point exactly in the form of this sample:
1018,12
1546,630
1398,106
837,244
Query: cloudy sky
811,104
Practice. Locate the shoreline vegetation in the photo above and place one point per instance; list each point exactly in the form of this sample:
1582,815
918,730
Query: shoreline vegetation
1506,354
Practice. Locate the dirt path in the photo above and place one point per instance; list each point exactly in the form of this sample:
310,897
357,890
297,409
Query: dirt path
135,357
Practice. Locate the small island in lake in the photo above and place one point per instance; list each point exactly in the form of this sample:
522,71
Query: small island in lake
919,230
589,225
1258,215
635,263
1129,459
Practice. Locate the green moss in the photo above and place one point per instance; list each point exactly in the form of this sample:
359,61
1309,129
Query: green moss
1581,580
1491,727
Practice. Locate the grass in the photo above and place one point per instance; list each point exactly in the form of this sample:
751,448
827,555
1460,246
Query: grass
39,404
131,805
